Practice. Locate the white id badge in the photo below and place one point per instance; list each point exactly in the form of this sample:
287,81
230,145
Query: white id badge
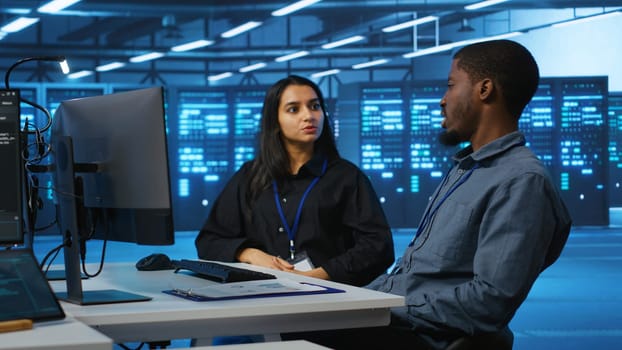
302,262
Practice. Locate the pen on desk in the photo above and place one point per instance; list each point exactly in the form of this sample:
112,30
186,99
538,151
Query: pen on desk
15,325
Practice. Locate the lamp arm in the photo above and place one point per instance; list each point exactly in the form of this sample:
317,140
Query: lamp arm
33,104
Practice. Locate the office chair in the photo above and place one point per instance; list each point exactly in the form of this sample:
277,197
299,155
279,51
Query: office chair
502,340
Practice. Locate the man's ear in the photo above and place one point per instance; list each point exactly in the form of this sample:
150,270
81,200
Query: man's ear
486,88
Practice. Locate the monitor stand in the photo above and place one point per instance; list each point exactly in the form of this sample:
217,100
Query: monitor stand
104,296
67,183
59,275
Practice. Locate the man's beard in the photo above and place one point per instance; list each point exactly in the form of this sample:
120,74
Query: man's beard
449,138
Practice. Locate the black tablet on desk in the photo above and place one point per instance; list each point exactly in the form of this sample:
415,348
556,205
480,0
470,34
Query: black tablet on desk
24,291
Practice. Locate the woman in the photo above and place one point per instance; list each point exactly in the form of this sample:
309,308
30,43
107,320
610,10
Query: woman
298,206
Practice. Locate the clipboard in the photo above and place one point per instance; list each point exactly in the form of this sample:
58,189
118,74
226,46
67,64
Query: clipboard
305,289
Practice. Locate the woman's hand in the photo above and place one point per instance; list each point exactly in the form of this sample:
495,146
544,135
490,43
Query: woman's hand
258,257
317,272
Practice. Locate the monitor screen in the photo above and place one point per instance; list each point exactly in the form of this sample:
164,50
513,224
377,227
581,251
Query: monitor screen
11,229
111,178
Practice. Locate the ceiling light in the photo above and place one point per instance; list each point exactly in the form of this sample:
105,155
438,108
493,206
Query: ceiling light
488,38
482,4
146,57
449,46
586,19
370,63
240,29
414,22
292,56
80,74
343,42
219,76
293,7
325,73
56,6
17,11
252,67
19,24
109,66
430,50
191,45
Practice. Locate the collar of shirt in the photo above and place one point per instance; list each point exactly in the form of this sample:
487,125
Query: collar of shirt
467,158
313,167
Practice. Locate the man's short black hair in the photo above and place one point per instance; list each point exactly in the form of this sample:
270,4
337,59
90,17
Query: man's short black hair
508,64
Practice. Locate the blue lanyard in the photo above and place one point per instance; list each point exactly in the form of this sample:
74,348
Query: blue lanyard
431,211
291,232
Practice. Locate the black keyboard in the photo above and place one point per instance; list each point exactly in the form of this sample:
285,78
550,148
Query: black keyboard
220,272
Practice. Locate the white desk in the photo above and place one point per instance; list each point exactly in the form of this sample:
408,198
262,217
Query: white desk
170,317
67,334
282,345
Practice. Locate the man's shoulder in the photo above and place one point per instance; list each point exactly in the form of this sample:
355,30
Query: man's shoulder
521,161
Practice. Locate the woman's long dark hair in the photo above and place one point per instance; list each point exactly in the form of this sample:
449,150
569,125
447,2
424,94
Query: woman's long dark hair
271,159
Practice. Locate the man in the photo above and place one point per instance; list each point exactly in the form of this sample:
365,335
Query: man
492,226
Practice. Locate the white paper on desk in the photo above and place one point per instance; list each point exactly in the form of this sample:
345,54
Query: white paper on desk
259,287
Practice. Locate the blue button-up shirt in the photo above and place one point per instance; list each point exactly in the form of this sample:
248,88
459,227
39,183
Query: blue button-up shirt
478,254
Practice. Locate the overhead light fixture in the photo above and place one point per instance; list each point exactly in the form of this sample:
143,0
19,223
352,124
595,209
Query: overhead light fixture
146,57
292,56
430,50
19,24
109,66
586,19
449,46
55,6
240,29
293,7
219,76
325,73
482,4
80,74
17,11
488,38
370,63
343,42
409,24
192,45
252,67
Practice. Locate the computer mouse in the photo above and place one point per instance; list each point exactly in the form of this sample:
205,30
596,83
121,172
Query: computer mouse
154,262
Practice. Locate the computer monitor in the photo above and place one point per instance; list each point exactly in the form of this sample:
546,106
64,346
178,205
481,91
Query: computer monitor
11,225
111,176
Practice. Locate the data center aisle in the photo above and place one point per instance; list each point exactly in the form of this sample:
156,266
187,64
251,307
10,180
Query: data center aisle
575,305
